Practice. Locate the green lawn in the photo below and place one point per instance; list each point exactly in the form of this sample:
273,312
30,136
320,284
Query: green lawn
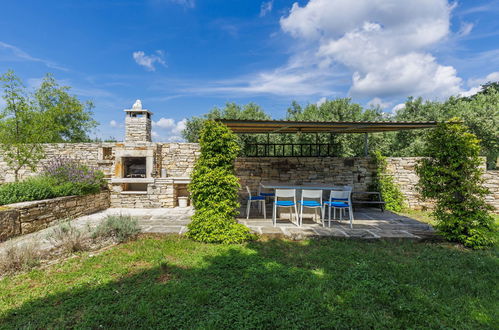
176,283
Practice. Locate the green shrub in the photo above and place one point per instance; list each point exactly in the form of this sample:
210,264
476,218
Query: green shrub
29,190
214,188
213,226
119,227
67,237
384,183
451,176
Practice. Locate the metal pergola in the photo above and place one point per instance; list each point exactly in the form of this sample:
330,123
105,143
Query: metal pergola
334,127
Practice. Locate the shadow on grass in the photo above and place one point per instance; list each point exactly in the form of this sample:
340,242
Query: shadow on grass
283,284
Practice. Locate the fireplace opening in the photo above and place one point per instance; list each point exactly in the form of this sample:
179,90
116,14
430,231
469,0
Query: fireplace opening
134,167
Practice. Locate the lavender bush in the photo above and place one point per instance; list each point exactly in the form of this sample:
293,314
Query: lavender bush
65,169
72,177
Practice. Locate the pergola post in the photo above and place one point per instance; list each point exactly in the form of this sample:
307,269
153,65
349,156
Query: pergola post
366,144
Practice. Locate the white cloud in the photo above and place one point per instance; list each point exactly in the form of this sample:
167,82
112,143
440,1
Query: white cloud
491,77
169,130
266,8
398,107
321,101
113,123
10,52
148,61
185,3
384,43
379,102
474,84
465,29
166,123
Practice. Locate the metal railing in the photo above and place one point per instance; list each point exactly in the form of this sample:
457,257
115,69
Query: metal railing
288,150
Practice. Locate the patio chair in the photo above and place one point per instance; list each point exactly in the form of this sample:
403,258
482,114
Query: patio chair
285,193
340,200
264,194
314,204
259,199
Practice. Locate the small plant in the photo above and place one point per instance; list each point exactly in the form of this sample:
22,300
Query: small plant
119,227
451,176
384,183
19,258
214,188
67,237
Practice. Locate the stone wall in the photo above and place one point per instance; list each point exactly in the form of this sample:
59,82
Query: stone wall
492,183
9,224
159,194
177,158
356,172
27,217
90,154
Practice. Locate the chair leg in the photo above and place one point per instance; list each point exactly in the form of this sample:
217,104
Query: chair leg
351,217
301,216
296,212
248,209
323,211
264,210
329,222
274,215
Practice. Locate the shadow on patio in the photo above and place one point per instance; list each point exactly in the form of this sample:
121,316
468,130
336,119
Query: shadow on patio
369,223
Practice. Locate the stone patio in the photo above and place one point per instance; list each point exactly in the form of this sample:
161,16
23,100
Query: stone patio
369,223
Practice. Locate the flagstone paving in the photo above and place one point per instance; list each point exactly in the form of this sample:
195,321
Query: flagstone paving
369,224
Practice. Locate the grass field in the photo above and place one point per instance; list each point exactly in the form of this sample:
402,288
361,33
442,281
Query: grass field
168,281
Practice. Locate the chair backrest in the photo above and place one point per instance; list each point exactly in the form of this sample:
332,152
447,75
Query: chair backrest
340,195
249,191
285,193
347,188
313,194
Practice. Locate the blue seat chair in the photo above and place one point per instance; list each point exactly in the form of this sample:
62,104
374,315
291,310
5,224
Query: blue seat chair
311,199
291,204
257,199
342,201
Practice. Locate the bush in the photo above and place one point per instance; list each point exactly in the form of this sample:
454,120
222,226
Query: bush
213,226
452,177
68,237
29,190
119,227
19,258
383,182
61,177
72,177
214,188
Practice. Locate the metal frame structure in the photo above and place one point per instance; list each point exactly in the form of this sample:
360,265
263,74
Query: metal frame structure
312,149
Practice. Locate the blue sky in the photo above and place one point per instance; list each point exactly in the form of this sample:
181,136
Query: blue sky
183,57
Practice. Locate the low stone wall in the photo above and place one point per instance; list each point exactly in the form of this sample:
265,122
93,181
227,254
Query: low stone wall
27,217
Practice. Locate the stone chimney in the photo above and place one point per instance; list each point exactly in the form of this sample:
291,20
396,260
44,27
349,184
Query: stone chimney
138,124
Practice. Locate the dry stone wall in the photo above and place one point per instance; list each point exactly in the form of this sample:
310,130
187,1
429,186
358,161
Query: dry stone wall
28,217
90,154
179,158
356,172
